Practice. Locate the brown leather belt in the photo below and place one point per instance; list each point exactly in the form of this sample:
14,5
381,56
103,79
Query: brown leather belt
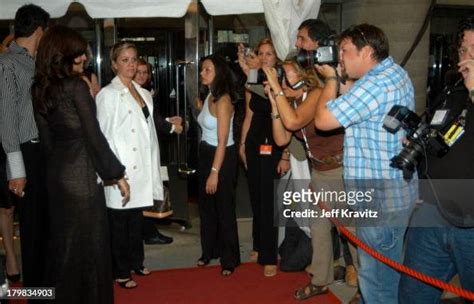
327,160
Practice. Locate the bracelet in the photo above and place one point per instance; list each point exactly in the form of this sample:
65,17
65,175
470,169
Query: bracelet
214,169
279,94
332,78
275,116
284,159
242,144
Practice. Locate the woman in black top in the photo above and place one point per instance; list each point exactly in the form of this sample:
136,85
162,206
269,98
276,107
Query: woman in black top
79,266
264,161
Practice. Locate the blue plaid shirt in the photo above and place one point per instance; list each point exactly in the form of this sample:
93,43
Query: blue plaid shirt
368,147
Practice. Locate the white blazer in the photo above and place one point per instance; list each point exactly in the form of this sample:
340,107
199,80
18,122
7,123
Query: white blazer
134,141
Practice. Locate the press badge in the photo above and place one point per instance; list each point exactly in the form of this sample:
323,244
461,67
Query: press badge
454,133
265,149
439,117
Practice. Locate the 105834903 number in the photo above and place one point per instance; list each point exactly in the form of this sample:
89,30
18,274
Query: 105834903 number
30,293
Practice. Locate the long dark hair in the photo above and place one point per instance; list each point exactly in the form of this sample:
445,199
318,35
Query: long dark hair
57,50
223,82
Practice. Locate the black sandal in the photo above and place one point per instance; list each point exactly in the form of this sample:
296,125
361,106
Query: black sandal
203,262
140,271
124,283
309,291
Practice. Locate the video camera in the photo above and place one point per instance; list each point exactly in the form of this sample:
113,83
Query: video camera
422,138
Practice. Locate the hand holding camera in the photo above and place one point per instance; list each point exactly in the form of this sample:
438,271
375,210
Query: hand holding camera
326,71
273,79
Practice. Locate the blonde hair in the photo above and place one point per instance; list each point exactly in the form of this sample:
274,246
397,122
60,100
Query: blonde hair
308,75
118,48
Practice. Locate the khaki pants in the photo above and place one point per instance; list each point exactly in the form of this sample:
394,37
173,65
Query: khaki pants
322,267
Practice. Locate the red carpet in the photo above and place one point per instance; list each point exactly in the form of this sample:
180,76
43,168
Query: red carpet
206,285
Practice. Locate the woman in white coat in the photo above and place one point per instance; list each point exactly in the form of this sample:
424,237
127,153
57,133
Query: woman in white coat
124,111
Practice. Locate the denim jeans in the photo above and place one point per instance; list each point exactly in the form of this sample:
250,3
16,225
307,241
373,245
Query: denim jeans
440,252
378,282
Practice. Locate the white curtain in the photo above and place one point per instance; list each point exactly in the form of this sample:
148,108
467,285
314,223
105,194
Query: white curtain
103,8
283,18
232,7
135,8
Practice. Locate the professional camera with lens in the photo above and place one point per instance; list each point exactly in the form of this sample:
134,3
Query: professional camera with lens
259,76
323,55
421,136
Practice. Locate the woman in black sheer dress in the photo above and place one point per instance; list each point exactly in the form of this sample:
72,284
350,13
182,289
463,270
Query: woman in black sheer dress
79,263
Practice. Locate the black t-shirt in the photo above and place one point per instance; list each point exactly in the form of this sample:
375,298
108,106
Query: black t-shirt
453,174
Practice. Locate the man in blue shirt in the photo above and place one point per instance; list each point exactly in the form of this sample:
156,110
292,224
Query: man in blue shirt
379,85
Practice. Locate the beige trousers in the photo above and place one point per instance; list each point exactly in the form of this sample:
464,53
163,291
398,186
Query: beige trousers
322,267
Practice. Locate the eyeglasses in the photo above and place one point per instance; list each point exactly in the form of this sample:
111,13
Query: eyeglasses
363,35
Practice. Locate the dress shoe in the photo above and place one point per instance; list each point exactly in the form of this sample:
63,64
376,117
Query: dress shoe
159,239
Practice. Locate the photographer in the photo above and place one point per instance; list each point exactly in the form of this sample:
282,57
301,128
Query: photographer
447,249
312,34
324,148
303,89
379,84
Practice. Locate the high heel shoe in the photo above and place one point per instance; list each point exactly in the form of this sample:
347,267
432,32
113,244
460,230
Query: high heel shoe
203,262
13,278
225,272
126,283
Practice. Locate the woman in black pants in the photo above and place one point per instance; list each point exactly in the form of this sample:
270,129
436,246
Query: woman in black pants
263,159
217,167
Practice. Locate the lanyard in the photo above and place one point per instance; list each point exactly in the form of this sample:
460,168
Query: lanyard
303,132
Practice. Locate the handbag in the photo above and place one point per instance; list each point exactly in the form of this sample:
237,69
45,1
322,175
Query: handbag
160,208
